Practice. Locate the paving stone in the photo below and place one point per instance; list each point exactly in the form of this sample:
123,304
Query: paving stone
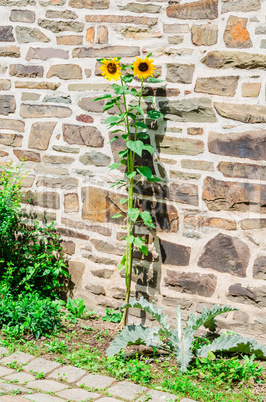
187,400
77,394
126,390
3,351
68,373
5,371
47,385
96,381
107,399
20,377
157,396
19,357
43,398
12,398
40,365
13,387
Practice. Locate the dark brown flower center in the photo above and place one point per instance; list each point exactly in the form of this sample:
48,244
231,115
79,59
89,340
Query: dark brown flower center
112,68
143,67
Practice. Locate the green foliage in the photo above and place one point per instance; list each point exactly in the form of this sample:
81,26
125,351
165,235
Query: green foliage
227,371
56,346
181,341
234,343
30,255
131,368
29,313
112,315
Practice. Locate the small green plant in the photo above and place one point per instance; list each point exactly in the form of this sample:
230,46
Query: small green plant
112,315
226,370
180,342
56,346
77,309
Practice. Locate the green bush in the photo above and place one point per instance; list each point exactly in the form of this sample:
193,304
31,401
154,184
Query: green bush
30,256
29,313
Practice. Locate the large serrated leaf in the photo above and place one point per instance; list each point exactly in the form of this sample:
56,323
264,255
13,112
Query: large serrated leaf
134,335
234,343
150,308
207,317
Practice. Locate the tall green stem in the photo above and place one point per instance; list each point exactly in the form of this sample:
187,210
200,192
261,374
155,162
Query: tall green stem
130,224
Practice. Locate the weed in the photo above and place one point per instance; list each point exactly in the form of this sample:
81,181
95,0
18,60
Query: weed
56,346
112,315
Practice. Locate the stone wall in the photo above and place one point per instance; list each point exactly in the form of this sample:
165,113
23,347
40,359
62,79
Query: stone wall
210,208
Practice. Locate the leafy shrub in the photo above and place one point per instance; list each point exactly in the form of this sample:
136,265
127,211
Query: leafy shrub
180,342
29,313
30,256
112,315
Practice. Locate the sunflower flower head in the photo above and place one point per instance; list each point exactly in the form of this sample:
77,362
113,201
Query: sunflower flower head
111,69
143,68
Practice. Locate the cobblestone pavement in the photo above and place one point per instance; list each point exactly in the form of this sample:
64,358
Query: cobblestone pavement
42,380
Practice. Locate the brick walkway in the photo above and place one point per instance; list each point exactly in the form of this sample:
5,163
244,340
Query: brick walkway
61,383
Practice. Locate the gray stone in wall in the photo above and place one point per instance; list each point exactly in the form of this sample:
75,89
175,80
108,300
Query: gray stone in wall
107,51
247,295
27,35
95,4
191,283
40,53
182,73
198,110
141,8
227,254
179,146
61,26
259,268
251,114
35,111
95,158
248,144
174,254
204,35
243,60
242,170
22,71
40,135
6,34
224,85
22,16
66,14
7,104
240,5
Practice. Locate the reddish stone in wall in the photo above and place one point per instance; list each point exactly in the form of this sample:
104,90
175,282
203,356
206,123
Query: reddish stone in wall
236,33
198,10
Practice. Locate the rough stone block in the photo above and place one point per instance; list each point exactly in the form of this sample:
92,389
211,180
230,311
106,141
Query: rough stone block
204,9
232,196
27,155
40,135
192,283
38,111
226,254
174,254
204,35
6,34
22,16
83,135
182,73
27,35
224,86
7,104
236,34
247,144
47,385
189,110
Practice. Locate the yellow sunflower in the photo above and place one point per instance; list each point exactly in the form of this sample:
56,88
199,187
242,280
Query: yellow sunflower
110,69
143,68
